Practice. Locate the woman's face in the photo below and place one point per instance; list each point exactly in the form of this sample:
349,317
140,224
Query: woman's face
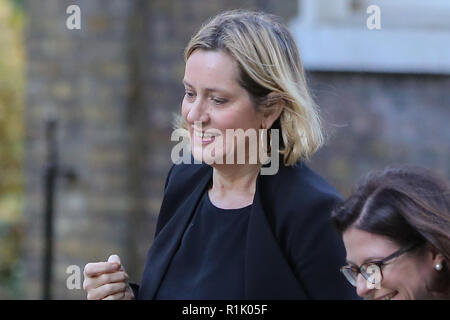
404,277
214,102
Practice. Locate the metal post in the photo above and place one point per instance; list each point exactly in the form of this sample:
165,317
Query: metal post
52,171
50,175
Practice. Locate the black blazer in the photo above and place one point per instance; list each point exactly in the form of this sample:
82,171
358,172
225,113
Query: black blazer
292,251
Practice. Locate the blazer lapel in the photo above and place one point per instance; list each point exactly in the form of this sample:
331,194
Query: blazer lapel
268,274
168,239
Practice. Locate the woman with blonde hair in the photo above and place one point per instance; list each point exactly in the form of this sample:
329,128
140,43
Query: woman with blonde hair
226,230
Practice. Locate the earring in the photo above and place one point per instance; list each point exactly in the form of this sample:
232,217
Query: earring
261,138
438,267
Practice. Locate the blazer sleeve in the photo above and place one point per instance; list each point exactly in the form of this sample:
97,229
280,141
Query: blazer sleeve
135,286
318,252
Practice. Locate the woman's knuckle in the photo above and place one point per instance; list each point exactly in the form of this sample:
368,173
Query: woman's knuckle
111,288
86,285
105,278
86,268
106,287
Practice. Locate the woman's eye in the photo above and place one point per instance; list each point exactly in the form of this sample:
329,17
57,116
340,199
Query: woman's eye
354,270
218,100
189,94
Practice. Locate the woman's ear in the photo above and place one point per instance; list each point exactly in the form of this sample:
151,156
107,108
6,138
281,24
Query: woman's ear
438,261
436,257
274,106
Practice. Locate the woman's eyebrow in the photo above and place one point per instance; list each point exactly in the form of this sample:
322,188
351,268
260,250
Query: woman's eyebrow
370,259
187,83
373,258
206,89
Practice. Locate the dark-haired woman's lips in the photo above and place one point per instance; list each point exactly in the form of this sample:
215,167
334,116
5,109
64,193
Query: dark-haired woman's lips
388,296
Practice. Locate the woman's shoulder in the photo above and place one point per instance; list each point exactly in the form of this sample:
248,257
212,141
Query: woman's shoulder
297,195
183,173
301,183
313,181
298,204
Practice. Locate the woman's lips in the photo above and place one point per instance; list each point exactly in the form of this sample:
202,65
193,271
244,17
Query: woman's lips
203,137
388,296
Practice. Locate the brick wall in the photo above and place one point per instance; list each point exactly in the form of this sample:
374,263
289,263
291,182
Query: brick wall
377,120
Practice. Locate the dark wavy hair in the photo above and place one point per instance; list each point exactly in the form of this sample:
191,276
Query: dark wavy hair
409,205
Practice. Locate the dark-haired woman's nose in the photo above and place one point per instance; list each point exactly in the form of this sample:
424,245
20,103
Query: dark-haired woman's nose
362,289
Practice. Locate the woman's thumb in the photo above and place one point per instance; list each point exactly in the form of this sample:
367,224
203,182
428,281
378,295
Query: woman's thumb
115,258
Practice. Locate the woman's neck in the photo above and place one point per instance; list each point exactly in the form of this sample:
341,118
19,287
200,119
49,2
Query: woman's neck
233,186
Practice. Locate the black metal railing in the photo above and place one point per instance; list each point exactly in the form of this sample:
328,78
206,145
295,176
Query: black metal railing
52,171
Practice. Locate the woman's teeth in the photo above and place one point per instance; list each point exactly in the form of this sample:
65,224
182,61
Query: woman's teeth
203,135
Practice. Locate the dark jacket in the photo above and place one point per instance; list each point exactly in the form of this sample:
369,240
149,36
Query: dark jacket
292,251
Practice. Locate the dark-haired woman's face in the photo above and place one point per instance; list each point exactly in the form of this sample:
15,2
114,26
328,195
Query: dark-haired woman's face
403,278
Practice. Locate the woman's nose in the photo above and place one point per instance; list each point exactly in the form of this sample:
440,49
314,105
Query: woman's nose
361,287
197,113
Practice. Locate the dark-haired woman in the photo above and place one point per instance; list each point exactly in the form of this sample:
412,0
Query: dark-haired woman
396,230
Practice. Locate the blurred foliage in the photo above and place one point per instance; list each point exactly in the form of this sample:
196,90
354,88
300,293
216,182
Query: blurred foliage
11,144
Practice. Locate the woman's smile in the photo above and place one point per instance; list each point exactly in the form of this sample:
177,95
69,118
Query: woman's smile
388,296
203,137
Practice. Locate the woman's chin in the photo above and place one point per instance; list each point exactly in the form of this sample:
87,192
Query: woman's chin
207,155
206,158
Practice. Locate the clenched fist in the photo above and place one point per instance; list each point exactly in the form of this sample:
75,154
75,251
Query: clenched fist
107,280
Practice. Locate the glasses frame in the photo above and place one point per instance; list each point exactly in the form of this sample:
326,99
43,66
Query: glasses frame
347,270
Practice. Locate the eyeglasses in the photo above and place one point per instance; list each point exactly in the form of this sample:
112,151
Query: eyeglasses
371,271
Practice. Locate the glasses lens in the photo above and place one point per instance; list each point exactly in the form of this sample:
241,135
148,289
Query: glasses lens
372,273
350,274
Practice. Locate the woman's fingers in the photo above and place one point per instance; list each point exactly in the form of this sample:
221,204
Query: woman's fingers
96,268
117,296
109,289
95,282
123,295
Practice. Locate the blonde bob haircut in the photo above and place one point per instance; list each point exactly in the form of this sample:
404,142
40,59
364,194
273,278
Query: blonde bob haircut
269,62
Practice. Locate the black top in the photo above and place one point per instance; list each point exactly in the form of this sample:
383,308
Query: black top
291,248
209,263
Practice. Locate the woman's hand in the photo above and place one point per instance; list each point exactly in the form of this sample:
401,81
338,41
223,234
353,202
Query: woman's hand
107,281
